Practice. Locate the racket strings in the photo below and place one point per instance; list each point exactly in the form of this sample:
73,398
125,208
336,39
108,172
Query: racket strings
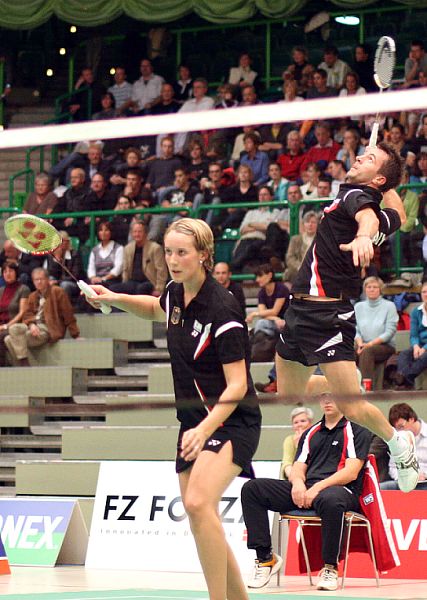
63,266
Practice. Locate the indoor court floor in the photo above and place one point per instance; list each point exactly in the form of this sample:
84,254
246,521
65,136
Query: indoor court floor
78,583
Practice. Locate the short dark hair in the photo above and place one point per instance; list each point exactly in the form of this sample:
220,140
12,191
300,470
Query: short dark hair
264,270
365,47
201,80
109,95
418,43
251,135
340,163
330,50
134,171
11,264
132,150
106,224
300,49
391,168
399,127
401,411
323,125
321,72
355,77
182,169
325,179
266,187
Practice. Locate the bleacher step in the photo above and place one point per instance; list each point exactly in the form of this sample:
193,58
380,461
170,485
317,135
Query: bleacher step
133,370
90,398
55,428
148,354
7,491
8,459
31,441
113,381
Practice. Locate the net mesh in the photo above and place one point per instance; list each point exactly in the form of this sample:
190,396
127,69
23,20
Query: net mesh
32,235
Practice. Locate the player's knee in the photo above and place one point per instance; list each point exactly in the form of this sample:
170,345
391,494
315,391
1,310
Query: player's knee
351,410
249,491
196,506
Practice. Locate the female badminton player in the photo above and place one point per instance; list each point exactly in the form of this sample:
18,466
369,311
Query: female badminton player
215,399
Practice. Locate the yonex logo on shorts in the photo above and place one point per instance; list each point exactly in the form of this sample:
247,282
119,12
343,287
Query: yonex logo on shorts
214,442
336,339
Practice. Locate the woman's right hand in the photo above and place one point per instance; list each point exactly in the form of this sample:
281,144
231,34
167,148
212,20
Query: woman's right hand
104,294
418,351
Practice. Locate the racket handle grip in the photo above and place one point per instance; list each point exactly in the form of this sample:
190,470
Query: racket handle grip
374,135
90,293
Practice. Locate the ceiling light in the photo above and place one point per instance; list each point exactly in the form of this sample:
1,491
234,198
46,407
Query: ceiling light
348,20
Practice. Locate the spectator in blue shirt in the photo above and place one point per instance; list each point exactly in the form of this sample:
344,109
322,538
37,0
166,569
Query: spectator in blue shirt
254,158
413,361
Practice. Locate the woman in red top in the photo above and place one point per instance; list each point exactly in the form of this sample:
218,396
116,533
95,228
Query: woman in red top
13,303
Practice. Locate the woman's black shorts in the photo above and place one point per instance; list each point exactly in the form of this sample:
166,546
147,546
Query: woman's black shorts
244,441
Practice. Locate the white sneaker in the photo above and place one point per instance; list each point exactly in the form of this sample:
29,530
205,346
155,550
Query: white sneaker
408,469
328,579
264,571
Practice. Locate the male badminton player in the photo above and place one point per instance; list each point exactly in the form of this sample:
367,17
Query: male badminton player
320,321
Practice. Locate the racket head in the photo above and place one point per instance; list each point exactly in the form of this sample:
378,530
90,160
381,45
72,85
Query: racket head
32,235
384,63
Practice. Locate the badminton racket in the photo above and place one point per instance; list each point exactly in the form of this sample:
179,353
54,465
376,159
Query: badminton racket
33,235
385,59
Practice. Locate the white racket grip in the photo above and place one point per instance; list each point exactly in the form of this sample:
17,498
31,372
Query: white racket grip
374,135
90,293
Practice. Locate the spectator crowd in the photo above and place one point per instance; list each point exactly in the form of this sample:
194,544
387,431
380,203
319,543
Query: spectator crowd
277,166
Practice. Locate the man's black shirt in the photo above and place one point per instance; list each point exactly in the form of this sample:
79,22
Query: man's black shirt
328,271
325,451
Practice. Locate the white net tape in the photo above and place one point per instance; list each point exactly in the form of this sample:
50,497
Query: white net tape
278,112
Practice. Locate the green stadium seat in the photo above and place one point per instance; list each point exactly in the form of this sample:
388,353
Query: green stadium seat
19,199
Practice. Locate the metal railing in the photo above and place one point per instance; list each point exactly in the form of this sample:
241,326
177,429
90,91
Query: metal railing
2,73
93,216
29,183
70,94
294,220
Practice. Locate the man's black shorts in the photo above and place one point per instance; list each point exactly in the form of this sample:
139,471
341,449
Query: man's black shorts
318,332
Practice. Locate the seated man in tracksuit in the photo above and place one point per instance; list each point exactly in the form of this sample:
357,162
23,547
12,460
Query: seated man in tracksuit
326,477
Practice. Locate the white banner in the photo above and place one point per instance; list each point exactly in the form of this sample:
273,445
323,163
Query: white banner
139,521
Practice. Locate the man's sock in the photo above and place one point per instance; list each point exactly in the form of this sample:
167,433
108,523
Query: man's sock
264,554
397,444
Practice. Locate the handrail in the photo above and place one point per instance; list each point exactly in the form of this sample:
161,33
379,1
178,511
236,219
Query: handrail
41,157
294,213
29,183
8,210
53,149
82,90
2,73
110,213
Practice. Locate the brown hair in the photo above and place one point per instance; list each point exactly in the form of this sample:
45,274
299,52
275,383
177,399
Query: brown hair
401,411
391,168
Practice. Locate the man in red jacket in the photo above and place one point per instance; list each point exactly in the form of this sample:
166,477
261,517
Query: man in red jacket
290,162
326,148
47,318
